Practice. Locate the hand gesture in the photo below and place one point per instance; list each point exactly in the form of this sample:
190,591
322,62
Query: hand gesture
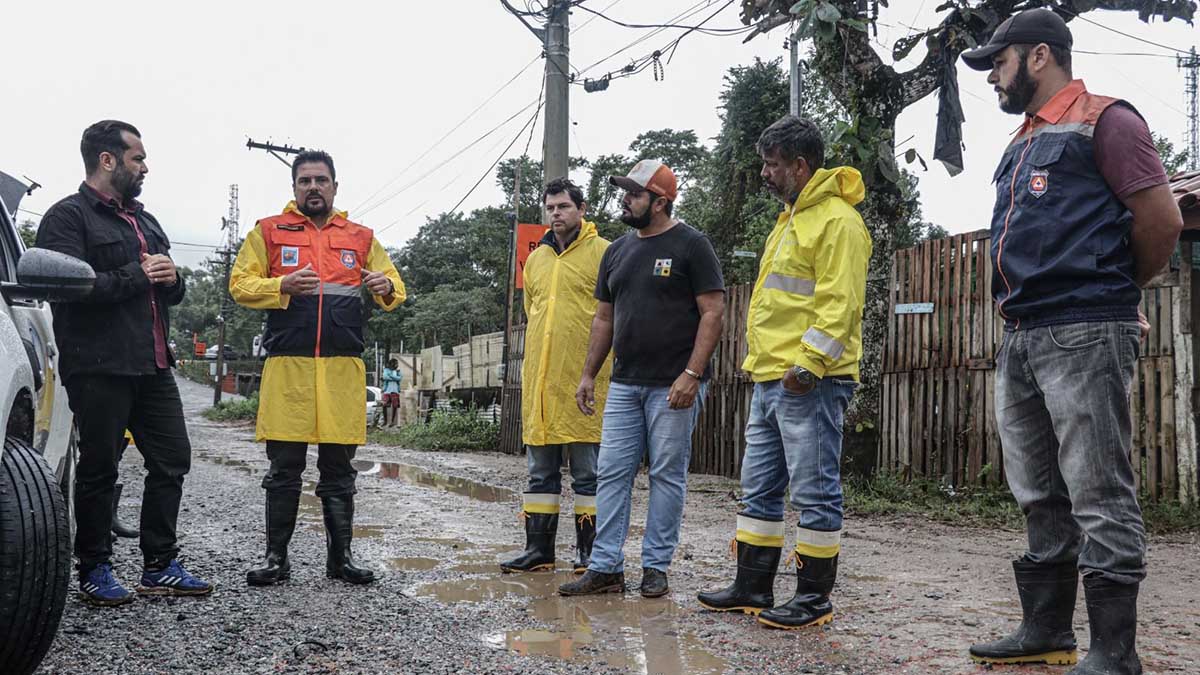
683,392
159,269
303,281
377,282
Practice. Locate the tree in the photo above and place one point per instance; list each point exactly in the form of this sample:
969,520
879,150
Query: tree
873,94
1173,162
680,150
28,231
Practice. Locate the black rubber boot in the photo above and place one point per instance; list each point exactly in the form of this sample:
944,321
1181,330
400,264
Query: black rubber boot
1112,615
118,528
594,583
1047,595
585,535
281,522
751,591
810,606
339,532
540,530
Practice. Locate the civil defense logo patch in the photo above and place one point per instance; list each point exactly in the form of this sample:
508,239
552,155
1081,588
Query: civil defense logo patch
290,256
348,259
1039,182
662,267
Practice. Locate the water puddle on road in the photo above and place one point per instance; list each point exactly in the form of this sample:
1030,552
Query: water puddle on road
415,475
220,460
312,515
626,632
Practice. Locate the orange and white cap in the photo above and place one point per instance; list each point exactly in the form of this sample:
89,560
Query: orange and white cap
649,174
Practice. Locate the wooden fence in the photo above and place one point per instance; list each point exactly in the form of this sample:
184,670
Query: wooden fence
938,384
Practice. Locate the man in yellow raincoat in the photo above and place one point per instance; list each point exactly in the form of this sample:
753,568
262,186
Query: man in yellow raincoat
307,267
804,331
560,281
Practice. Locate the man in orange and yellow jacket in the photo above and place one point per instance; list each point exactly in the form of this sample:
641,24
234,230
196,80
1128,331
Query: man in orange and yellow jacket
308,267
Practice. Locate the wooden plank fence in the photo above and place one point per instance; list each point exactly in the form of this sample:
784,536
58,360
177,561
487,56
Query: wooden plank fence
938,383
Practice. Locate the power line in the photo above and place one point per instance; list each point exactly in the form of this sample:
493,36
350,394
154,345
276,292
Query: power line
449,159
1084,51
1077,15
600,14
687,13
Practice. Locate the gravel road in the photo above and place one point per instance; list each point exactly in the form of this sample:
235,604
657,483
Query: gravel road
912,595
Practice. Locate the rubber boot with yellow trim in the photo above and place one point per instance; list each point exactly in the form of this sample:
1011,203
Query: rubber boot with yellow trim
758,546
1047,595
540,512
816,558
585,531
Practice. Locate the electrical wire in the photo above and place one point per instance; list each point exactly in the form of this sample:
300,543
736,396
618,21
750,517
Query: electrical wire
716,31
1077,15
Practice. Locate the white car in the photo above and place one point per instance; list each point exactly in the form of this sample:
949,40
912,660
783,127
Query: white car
37,463
374,403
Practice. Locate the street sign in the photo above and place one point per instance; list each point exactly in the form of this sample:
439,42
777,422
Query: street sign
915,308
528,237
745,254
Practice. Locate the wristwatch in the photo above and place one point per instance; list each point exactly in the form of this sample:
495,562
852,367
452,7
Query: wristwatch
803,376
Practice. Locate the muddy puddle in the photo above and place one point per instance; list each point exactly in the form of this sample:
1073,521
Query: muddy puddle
628,632
415,475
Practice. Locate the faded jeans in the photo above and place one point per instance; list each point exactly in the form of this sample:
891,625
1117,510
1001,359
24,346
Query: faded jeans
1062,407
796,440
545,468
637,418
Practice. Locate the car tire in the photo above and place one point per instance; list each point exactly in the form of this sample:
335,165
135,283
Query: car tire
35,557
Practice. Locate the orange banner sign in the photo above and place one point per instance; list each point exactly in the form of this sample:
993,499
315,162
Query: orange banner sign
528,237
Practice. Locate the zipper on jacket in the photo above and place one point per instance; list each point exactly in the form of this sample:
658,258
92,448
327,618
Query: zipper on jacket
1012,205
320,243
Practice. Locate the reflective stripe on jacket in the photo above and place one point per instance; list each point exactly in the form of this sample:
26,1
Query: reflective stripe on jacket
1060,235
560,303
807,305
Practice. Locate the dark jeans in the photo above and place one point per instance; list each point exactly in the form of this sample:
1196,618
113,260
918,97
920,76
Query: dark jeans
149,406
545,468
1062,407
288,459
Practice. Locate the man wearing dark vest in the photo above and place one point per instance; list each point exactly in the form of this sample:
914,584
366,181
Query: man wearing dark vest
308,267
1083,220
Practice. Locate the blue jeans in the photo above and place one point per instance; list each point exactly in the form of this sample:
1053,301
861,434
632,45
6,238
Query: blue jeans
637,418
545,468
1062,408
796,439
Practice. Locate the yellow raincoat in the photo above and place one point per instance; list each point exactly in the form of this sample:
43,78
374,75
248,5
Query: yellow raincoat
807,305
560,303
314,383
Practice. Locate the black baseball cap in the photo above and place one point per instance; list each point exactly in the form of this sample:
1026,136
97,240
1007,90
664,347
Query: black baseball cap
1031,27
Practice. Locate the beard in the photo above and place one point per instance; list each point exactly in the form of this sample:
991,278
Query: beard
784,193
126,183
1019,93
314,211
637,222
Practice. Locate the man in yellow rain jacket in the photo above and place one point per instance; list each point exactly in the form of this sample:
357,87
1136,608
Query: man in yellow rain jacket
307,267
560,280
804,331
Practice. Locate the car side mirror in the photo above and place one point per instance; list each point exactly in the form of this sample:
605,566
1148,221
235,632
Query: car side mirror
43,274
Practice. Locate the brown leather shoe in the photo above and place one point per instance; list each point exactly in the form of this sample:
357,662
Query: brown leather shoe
654,583
594,583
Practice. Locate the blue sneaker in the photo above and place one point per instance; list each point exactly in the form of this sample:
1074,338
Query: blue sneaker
100,587
172,580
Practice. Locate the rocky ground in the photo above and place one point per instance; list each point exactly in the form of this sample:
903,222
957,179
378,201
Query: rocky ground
911,596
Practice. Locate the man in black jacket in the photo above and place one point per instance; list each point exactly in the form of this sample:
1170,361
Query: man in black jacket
116,364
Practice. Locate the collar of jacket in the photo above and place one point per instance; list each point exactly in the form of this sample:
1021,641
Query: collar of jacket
843,181
98,199
1057,106
338,219
587,230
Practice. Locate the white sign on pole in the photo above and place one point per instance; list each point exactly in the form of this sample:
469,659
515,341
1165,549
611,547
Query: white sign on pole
915,308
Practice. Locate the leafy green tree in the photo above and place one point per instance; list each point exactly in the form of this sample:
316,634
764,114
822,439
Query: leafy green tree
28,231
680,150
1173,162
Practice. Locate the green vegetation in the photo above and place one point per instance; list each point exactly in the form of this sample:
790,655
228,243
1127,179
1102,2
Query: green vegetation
234,410
454,430
887,494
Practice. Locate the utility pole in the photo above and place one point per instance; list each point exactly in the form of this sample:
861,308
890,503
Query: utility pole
558,63
1191,64
230,225
277,151
794,75
512,279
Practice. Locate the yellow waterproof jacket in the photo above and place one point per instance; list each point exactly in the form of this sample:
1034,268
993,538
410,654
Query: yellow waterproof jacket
560,303
314,381
807,305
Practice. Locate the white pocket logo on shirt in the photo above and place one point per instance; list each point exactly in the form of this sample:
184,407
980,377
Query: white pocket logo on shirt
290,256
662,267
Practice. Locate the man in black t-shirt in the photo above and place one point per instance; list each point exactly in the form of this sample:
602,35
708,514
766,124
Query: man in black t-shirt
662,303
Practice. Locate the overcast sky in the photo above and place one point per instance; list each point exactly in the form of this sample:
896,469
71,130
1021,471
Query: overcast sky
376,84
